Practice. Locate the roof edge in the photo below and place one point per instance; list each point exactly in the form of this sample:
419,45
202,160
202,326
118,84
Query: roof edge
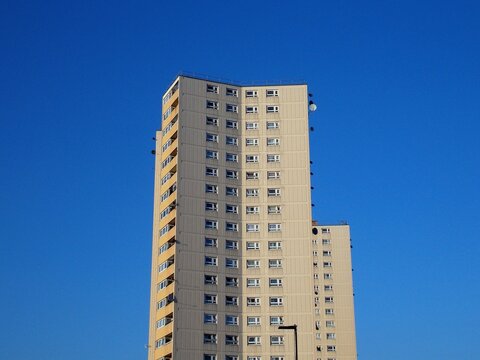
198,76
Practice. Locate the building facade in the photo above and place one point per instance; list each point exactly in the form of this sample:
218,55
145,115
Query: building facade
234,252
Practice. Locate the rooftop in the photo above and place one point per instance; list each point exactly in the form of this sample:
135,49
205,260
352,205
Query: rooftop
225,81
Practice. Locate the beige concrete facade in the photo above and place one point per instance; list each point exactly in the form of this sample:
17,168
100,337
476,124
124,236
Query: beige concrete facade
233,253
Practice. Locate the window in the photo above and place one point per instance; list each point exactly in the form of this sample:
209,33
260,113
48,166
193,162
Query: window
250,125
165,229
276,340
211,154
330,336
271,125
253,264
231,300
253,245
273,192
276,357
326,242
167,177
231,226
327,276
315,253
231,340
275,263
211,121
252,192
327,264
325,231
273,158
167,193
170,124
274,282
274,227
273,175
231,244
231,140
164,284
231,92
276,320
209,299
167,145
251,109
167,113
254,340
274,209
210,242
211,224
209,338
231,357
209,171
211,206
231,157
327,253
167,161
212,88
212,104
253,228
331,348
251,93
211,189
165,301
251,142
252,175
272,92
209,318
272,108
231,108
274,245
166,211
253,320
231,320
231,124
231,281
211,260
231,263
164,321
163,341
210,279
273,141
253,282
276,301
211,137
166,246
231,174
231,209
166,264
252,209
253,301
329,299
231,191
254,358
330,323
251,158
209,357
329,312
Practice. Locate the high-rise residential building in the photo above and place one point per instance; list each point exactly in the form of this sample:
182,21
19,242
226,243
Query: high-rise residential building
235,256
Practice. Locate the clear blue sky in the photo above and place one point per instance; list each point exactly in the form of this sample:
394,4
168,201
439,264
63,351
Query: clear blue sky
396,152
